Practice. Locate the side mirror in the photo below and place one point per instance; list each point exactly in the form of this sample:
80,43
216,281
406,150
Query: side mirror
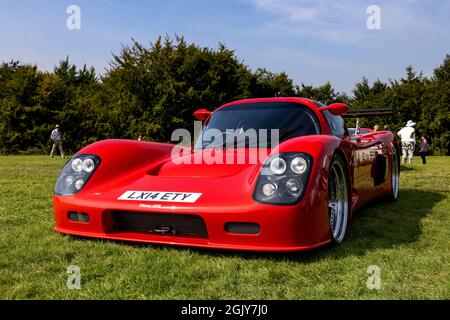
337,109
202,114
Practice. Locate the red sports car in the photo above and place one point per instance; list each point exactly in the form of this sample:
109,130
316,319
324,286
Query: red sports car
300,194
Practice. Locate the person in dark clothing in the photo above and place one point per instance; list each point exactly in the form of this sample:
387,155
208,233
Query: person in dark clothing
424,149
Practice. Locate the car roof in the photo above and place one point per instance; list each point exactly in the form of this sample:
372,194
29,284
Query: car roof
311,104
305,101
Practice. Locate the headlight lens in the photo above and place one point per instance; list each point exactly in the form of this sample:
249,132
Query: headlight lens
277,184
77,165
88,165
278,166
269,189
79,184
299,165
76,174
68,180
294,187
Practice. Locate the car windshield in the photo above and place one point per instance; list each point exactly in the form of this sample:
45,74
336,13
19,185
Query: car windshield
257,125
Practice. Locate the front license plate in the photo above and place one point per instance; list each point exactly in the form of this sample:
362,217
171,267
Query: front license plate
160,196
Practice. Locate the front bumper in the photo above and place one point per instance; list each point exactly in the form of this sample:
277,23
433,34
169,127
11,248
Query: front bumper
282,228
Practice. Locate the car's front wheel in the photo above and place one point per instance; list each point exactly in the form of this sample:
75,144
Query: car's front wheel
338,203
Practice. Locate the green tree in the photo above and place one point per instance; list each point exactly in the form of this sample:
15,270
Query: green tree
153,90
442,73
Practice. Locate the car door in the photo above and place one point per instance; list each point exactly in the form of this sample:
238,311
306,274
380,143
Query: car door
368,150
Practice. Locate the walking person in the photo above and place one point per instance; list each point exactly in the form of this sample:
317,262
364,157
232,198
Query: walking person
408,136
56,138
424,149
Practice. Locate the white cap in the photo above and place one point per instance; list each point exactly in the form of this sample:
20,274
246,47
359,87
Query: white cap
410,123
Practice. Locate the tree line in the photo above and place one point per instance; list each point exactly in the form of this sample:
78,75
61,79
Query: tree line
150,91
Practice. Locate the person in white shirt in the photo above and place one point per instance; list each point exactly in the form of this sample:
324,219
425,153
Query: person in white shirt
56,138
408,136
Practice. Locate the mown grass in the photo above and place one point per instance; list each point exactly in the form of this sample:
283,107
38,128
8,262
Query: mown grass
409,241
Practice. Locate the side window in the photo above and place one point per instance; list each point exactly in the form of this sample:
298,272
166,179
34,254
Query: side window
337,125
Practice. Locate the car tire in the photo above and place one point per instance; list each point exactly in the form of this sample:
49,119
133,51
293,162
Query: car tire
395,177
338,199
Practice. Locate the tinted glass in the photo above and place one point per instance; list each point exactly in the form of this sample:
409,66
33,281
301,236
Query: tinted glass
337,124
291,119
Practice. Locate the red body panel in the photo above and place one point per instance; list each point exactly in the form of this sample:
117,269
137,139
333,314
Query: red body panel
227,191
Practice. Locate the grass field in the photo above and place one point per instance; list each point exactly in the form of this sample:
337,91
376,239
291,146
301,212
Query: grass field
409,241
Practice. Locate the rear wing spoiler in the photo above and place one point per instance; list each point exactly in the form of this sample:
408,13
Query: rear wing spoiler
364,113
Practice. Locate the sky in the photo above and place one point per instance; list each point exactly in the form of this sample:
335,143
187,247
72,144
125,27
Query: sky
314,41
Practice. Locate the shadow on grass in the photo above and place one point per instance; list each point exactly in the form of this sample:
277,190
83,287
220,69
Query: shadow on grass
377,226
407,168
386,224
380,226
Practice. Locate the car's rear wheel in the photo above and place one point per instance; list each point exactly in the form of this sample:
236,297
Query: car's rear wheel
395,177
338,203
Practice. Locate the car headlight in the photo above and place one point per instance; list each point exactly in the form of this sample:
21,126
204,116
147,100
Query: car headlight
77,165
299,165
76,174
278,165
269,190
283,179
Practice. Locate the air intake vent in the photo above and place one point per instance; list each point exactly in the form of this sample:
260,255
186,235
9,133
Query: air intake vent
179,225
78,216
